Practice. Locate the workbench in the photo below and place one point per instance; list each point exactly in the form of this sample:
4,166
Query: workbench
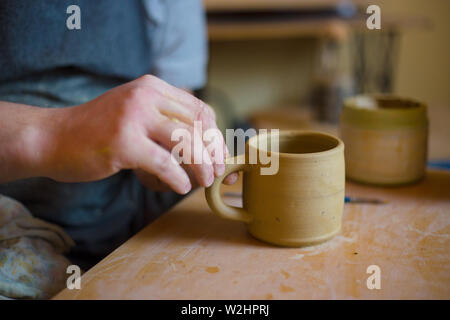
189,253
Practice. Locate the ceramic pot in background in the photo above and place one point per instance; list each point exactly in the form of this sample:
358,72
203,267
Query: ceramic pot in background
302,203
385,139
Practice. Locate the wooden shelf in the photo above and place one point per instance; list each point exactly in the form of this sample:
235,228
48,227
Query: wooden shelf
333,28
268,19
231,5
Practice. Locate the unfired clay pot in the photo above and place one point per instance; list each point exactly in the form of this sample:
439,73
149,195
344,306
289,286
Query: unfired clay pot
385,139
302,203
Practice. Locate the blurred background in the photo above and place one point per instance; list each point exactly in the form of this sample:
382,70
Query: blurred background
290,63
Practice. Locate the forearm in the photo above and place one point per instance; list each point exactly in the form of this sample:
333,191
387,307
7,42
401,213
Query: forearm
125,128
24,141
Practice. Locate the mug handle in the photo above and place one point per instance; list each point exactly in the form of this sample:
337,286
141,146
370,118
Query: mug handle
214,199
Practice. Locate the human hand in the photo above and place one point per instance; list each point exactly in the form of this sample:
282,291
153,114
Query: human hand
130,127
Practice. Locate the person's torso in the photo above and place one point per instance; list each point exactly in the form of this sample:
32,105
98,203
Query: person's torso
112,40
43,63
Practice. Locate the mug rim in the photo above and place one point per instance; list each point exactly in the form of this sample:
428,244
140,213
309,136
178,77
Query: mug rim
354,113
294,133
355,103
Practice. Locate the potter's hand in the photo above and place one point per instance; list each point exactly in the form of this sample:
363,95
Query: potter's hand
128,127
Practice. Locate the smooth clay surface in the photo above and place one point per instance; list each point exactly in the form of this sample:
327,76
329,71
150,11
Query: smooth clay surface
302,203
385,139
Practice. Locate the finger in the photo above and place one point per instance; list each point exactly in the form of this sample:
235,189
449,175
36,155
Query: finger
154,183
216,149
181,137
185,101
232,178
174,110
156,160
191,175
185,107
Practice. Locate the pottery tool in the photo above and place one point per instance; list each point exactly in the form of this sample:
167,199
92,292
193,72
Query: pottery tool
363,200
346,199
443,165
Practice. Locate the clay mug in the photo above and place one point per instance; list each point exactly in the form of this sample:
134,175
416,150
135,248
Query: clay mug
385,139
302,203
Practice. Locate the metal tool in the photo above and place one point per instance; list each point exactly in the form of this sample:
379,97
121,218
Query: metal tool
346,199
363,200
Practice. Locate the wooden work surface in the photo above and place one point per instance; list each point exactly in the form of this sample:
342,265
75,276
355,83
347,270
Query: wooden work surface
189,253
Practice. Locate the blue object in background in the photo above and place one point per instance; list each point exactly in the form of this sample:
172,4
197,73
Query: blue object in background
363,200
439,164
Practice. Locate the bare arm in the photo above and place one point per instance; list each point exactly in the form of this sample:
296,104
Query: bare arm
129,127
23,141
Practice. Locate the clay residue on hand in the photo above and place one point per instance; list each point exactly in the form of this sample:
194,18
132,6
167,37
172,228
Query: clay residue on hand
104,151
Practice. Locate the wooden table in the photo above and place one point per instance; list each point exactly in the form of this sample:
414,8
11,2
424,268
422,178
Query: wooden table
189,253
